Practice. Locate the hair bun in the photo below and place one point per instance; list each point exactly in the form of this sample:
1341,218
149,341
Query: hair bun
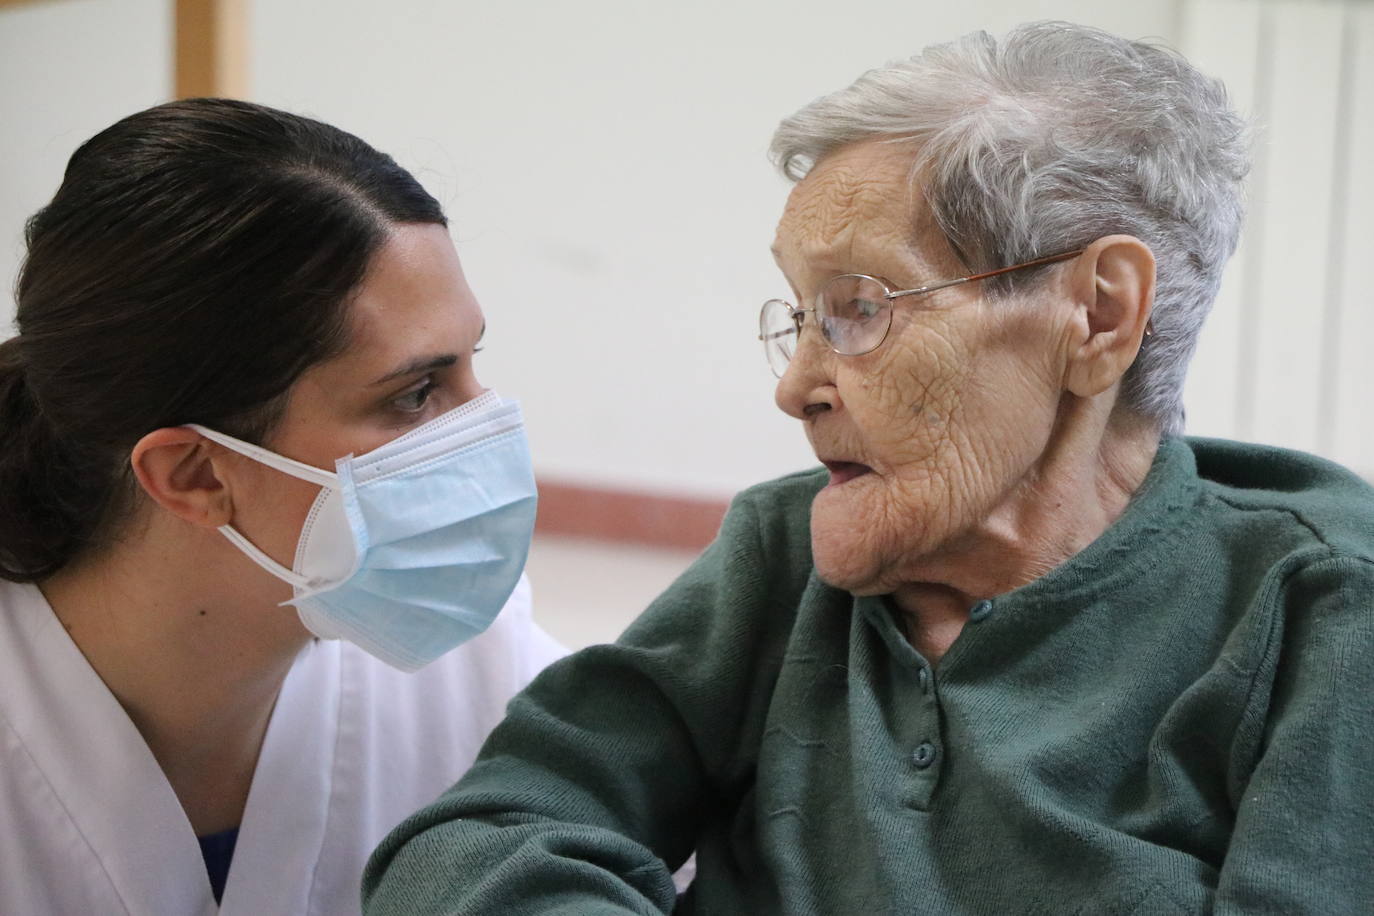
12,384
30,541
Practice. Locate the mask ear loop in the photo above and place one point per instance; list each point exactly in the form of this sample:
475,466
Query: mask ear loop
261,455
254,553
298,469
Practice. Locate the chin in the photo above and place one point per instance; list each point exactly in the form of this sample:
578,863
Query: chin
861,540
843,560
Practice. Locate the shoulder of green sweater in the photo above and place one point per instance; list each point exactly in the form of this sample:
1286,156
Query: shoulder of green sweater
1281,492
760,561
779,511
789,492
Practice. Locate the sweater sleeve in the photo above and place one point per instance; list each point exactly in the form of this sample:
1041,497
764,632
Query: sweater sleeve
591,792
1303,839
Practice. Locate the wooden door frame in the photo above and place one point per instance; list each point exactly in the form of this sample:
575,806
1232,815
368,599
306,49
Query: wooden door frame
210,45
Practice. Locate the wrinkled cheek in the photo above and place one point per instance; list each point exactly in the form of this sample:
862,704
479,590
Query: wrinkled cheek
922,412
921,511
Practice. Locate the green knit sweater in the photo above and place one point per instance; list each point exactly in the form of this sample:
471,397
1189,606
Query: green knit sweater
1179,719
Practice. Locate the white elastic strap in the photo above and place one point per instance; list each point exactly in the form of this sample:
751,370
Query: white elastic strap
286,465
257,556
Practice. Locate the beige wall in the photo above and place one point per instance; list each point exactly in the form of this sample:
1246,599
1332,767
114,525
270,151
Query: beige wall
67,69
603,163
604,166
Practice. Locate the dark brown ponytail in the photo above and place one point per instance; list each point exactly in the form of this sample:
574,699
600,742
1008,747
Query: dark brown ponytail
30,461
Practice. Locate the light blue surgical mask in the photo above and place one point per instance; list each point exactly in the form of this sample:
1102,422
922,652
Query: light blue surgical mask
414,547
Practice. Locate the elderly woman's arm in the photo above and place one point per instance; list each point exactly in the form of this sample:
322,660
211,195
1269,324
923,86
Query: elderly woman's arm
591,792
569,808
1304,837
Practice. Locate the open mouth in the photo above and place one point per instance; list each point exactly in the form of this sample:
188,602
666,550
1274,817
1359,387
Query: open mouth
842,472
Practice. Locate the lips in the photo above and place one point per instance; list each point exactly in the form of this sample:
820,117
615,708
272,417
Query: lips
841,472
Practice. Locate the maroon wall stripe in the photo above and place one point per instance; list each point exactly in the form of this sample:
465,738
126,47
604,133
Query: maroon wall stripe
625,516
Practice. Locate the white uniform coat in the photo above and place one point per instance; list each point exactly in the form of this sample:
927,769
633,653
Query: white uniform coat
89,824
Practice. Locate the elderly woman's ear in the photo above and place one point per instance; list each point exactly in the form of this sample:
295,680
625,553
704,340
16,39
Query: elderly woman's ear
1112,285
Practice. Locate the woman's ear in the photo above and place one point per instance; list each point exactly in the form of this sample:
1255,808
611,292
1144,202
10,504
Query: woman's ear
1113,285
176,469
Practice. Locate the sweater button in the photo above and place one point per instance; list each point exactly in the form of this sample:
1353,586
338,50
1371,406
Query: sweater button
923,676
924,756
980,611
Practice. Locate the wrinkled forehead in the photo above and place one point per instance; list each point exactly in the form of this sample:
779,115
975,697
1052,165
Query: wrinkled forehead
859,204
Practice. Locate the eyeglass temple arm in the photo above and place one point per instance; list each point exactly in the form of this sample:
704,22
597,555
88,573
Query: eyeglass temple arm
1052,259
983,276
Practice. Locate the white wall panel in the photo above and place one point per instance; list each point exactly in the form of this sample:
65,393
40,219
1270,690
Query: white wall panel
1290,307
1352,432
1284,358
1211,395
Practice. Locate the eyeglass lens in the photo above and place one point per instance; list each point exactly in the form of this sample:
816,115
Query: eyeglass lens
854,313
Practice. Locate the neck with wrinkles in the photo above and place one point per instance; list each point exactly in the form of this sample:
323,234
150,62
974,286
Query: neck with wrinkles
1078,487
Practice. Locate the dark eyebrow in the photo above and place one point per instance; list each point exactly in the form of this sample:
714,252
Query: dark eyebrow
417,366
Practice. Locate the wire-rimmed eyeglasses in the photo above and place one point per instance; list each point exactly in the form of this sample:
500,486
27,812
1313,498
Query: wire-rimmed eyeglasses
854,312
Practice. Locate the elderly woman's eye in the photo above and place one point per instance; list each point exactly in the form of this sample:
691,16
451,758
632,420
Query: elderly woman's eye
859,309
863,309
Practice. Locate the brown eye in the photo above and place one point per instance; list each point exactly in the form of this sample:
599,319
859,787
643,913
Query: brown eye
414,401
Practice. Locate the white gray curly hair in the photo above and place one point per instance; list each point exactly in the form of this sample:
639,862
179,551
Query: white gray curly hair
1056,137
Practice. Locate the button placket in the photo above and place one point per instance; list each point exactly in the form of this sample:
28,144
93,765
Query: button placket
916,746
923,754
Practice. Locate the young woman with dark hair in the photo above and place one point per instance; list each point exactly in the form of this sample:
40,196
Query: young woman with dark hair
243,380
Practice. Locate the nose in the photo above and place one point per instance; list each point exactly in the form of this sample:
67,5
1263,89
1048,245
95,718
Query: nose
469,388
807,388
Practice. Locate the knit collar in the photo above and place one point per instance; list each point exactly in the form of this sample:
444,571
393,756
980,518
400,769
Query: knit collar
1137,543
1155,516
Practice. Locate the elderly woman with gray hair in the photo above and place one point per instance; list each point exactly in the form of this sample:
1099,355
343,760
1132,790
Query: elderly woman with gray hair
1018,647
